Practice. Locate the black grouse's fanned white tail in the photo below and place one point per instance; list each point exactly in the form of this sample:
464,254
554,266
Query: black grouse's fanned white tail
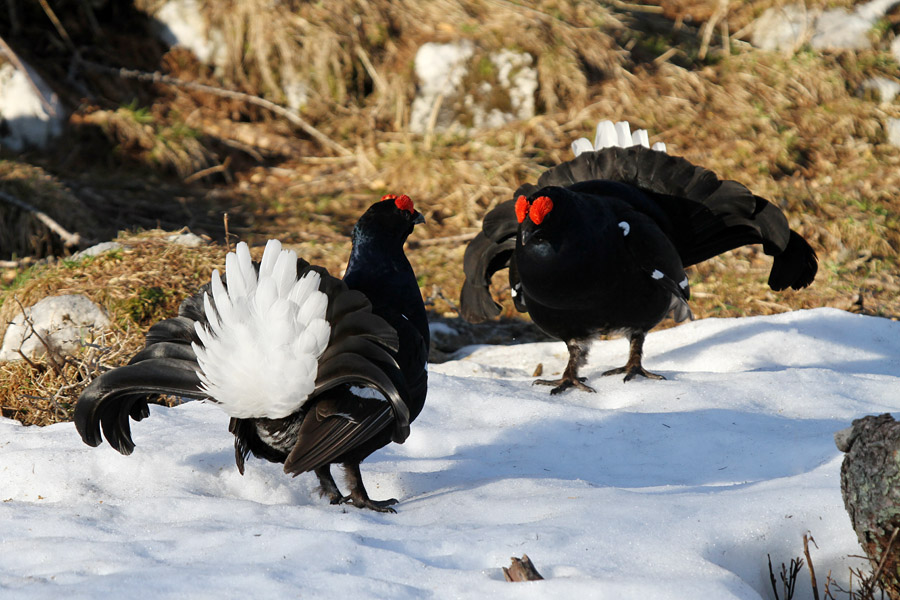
257,348
287,351
614,187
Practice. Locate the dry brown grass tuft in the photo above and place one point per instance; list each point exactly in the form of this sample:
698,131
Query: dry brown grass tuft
137,286
21,232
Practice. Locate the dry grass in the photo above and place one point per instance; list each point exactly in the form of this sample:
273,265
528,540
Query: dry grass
137,286
792,128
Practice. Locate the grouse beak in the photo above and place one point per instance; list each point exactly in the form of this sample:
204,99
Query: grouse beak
418,218
524,235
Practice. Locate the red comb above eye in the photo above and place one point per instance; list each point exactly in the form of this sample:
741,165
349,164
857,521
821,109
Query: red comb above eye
389,197
404,202
521,208
540,208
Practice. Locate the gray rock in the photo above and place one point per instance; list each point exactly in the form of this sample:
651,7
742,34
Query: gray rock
97,250
188,239
63,322
884,89
789,27
838,29
462,88
895,49
892,128
783,28
30,112
870,486
181,23
440,69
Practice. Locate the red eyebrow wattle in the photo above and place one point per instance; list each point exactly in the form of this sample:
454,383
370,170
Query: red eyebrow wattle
521,208
540,208
403,202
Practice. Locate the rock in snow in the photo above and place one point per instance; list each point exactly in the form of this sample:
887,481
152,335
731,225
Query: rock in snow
62,321
870,486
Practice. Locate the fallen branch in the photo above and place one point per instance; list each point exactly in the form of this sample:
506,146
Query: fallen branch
68,238
208,171
157,77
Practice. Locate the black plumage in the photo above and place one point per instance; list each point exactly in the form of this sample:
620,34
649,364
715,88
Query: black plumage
378,339
615,229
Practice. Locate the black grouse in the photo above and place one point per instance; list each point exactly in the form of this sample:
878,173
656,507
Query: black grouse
313,370
600,244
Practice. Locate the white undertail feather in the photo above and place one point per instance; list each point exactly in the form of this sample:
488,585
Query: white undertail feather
260,352
610,135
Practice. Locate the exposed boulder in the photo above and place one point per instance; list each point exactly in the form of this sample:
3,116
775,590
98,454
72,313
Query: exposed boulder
462,87
30,112
892,129
62,322
783,28
870,486
182,23
789,27
96,250
881,89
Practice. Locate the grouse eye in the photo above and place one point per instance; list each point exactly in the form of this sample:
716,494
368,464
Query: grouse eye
540,208
521,208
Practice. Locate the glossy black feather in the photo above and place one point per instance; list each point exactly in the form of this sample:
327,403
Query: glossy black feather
610,255
379,339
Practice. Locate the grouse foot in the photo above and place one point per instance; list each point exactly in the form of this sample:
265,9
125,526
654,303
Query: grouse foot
632,371
565,383
358,496
376,505
327,487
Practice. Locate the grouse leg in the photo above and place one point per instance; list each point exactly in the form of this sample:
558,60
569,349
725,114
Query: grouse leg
633,367
358,496
578,352
327,487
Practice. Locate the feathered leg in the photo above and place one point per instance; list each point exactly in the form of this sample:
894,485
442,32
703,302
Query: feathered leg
578,352
633,367
358,496
327,487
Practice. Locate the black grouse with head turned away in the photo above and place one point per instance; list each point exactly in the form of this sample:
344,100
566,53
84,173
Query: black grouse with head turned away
600,244
313,370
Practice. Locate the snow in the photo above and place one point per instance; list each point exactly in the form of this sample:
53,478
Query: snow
650,489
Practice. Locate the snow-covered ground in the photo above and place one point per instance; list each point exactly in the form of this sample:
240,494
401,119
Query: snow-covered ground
650,489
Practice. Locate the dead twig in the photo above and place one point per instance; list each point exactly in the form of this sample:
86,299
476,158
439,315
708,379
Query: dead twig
788,577
887,552
706,31
157,77
51,352
812,571
68,238
208,171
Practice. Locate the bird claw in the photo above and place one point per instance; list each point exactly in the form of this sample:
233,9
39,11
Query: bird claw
632,372
376,505
565,383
